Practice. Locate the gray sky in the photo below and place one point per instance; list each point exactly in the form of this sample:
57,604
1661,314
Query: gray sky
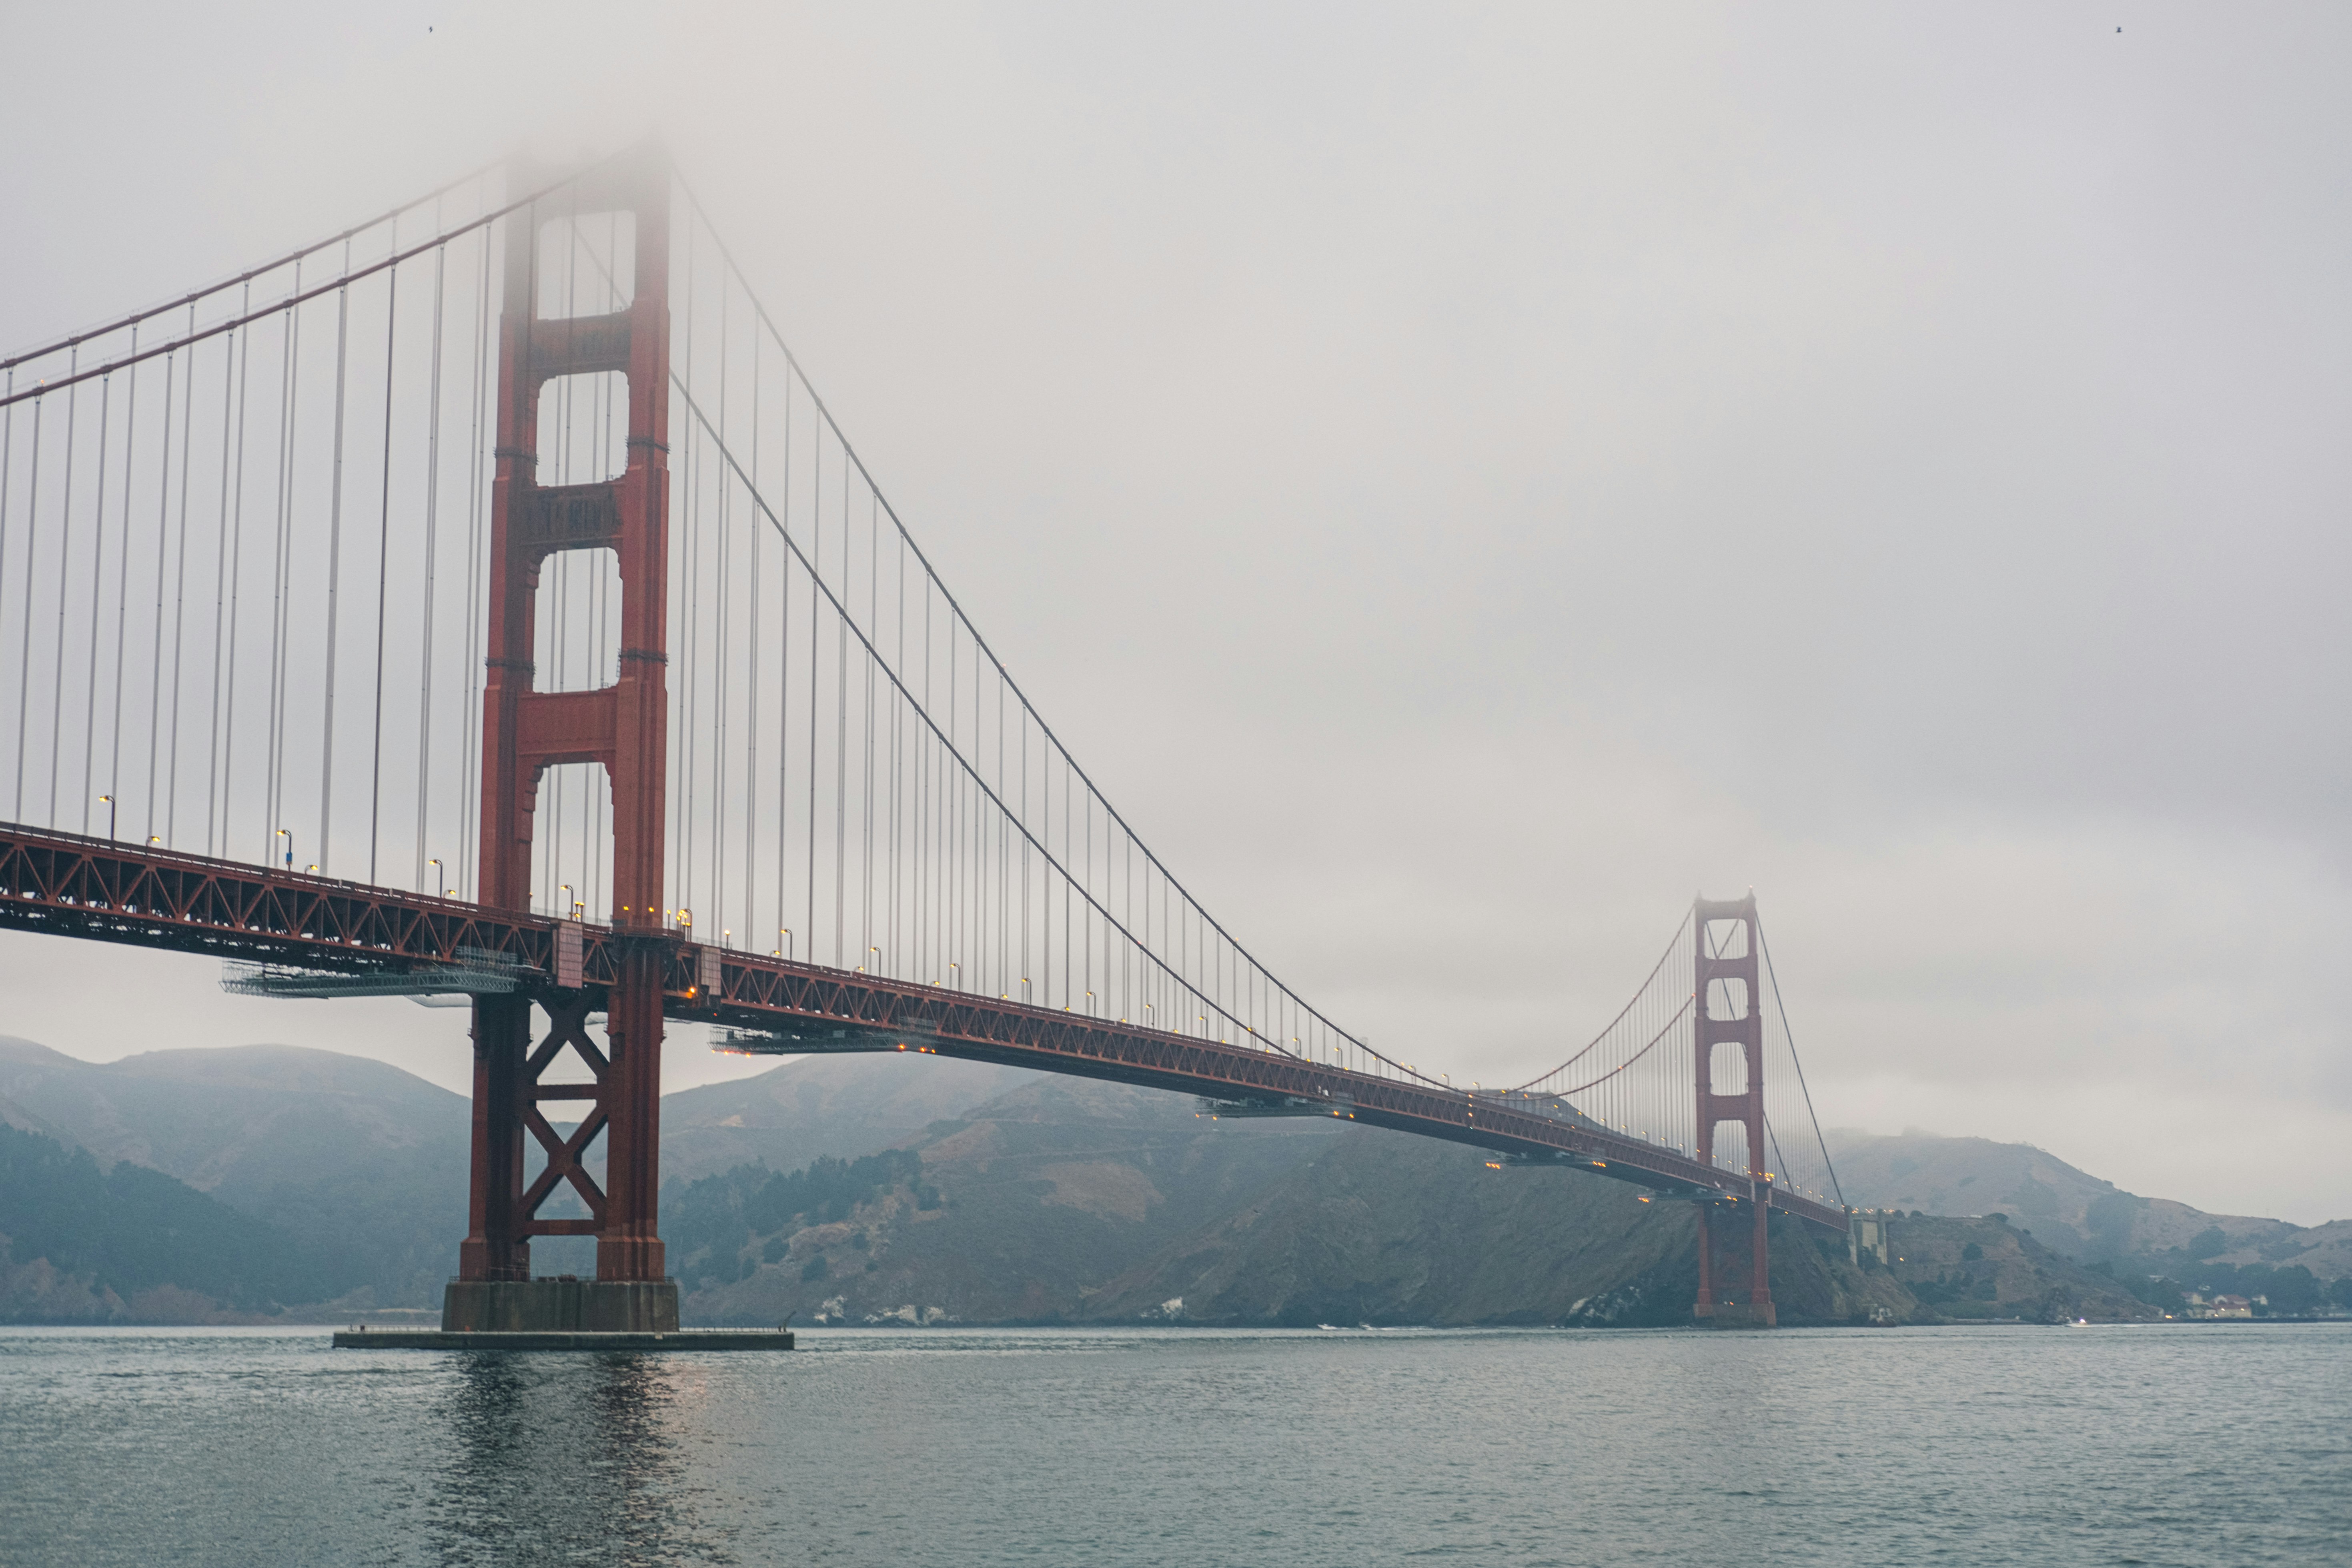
1466,479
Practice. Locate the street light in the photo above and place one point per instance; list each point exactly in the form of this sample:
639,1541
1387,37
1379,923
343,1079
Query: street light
288,834
107,800
436,875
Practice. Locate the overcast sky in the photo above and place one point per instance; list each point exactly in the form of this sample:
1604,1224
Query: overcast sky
1545,462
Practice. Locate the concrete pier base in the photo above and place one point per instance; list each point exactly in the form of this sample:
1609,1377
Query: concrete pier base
562,1314
560,1306
434,1340
1725,1315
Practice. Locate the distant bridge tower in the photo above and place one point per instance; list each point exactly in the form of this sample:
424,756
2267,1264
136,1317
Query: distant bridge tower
1730,1014
622,726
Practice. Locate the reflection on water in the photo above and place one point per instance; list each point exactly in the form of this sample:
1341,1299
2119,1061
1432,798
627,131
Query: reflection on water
552,1457
2182,1445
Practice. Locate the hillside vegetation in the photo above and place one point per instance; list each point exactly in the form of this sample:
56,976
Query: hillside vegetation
2151,1247
916,1186
79,1244
361,1162
1074,1202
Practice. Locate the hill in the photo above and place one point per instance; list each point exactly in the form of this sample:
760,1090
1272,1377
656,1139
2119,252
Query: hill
80,1244
2159,1248
868,1185
2072,1211
1076,1201
820,1106
363,1162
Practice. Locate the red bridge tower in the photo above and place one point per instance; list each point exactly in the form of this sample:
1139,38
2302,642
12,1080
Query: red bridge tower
1729,1013
622,726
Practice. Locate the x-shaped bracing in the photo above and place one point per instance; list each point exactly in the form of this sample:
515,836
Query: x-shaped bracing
567,1026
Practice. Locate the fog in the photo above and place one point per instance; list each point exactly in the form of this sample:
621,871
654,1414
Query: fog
1465,480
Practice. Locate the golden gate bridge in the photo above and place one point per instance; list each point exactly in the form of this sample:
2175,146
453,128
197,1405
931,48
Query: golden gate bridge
483,603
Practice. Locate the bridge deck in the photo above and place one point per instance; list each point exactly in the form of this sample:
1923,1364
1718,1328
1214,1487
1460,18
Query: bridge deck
106,890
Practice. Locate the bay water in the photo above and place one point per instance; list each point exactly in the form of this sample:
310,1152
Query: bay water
2176,1444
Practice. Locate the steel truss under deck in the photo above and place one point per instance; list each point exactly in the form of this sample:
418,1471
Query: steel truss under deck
147,896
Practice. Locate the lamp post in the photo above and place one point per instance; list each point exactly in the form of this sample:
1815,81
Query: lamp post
439,890
288,834
107,800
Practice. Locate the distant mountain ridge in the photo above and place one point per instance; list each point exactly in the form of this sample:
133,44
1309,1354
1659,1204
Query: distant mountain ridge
1016,1195
81,1244
363,1161
837,1106
1072,1201
2077,1213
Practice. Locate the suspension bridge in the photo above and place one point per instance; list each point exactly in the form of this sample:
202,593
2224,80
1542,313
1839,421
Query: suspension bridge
483,603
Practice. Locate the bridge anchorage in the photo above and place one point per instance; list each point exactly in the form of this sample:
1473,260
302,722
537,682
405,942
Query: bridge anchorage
701,676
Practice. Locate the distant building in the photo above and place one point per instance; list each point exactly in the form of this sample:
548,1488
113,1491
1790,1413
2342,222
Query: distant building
2232,1307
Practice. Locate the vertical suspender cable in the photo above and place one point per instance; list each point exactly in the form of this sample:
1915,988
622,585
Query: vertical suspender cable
155,633
7,472
719,642
784,683
873,612
751,690
7,460
383,563
470,726
121,598
180,590
24,652
432,542
897,780
281,564
64,563
841,739
236,356
691,484
815,560
334,573
97,579
24,648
